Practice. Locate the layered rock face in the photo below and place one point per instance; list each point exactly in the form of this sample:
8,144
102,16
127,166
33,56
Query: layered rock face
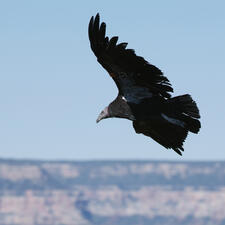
112,192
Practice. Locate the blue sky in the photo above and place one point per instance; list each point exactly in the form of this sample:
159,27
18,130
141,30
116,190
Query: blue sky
52,88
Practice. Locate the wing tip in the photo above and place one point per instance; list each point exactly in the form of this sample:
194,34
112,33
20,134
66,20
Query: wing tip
94,21
97,17
178,150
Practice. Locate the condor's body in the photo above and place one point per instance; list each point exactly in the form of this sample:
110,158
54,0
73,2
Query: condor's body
143,93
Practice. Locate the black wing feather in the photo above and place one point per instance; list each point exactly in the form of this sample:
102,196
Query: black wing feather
166,134
116,59
122,45
112,43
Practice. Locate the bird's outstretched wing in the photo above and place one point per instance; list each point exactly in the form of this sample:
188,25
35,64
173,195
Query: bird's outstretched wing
135,78
163,132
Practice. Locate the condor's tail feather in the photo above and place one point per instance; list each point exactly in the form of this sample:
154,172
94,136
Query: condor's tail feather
185,109
184,104
171,127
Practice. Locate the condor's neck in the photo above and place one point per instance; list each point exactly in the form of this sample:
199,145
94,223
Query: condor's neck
119,108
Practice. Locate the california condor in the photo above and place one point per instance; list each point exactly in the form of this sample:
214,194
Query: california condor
144,93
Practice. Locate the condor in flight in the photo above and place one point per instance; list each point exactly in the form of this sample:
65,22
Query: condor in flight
144,93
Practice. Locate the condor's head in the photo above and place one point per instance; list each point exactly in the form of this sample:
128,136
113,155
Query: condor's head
104,114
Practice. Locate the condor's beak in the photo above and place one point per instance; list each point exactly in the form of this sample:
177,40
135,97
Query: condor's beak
100,117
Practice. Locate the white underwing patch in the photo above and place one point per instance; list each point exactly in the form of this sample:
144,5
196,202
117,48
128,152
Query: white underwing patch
124,98
172,120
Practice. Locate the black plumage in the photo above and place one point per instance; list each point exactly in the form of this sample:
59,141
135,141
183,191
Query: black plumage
144,92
